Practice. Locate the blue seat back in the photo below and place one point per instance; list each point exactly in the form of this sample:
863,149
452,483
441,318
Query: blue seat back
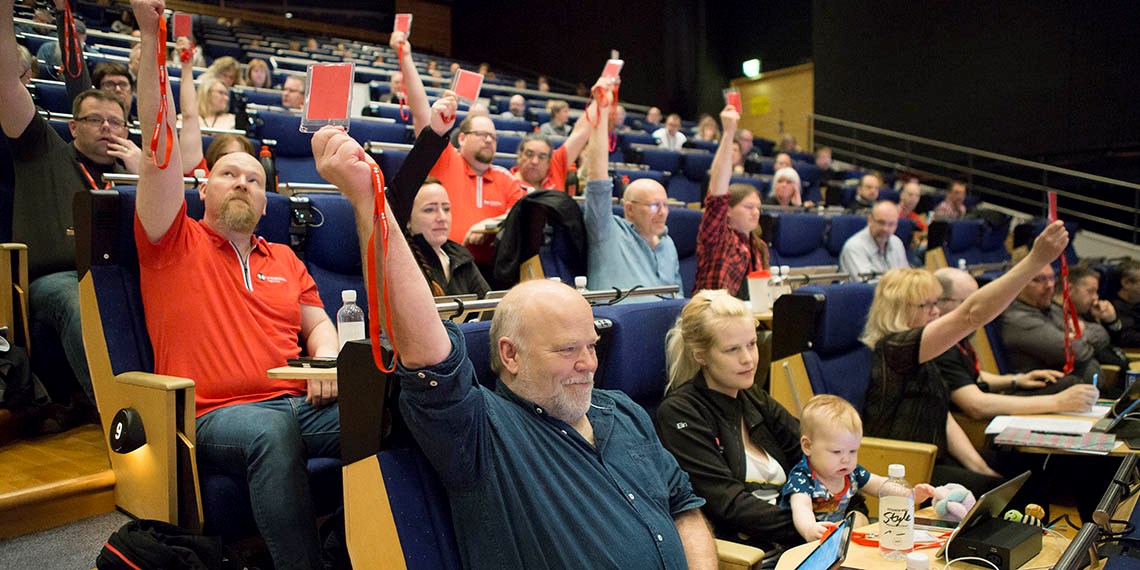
997,345
842,228
364,130
684,189
991,246
838,363
329,257
420,509
962,238
661,159
635,361
798,240
684,224
52,96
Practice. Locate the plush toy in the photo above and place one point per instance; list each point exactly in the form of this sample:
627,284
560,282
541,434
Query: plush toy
953,501
1033,515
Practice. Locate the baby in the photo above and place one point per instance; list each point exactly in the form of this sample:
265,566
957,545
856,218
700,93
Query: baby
821,485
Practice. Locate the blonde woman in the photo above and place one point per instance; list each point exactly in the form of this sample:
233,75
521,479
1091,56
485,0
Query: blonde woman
734,441
906,398
257,74
785,189
214,103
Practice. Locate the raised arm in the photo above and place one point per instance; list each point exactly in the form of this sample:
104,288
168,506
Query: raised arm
190,137
721,172
18,108
424,154
417,97
82,82
159,196
580,135
416,327
989,301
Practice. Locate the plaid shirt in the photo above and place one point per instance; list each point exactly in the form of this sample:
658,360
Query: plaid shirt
724,256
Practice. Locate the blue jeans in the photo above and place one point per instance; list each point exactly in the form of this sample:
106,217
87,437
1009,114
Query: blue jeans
267,443
53,301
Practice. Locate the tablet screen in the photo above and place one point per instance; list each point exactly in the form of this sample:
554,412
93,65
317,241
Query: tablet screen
831,550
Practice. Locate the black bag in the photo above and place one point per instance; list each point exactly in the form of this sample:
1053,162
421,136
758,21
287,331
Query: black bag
19,388
150,544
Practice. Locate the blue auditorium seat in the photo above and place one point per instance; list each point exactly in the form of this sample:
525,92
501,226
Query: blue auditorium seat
390,161
635,358
508,124
334,266
809,178
842,228
703,145
257,96
660,159
52,96
991,246
762,184
634,137
905,231
798,240
110,262
366,130
838,363
293,154
997,345
684,224
508,143
962,240
655,175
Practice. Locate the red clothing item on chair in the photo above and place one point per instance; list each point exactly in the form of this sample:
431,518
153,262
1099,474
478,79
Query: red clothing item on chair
474,197
724,255
218,319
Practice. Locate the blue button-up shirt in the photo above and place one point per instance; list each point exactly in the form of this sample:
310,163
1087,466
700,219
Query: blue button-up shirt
528,491
617,256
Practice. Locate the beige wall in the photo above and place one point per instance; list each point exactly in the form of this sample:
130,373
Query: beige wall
784,96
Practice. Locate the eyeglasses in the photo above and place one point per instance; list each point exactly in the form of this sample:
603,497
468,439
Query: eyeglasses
97,121
115,85
530,154
653,206
1045,279
928,306
955,300
483,134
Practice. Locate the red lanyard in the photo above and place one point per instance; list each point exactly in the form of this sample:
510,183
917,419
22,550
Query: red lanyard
968,352
91,180
379,217
161,120
402,96
1069,315
71,45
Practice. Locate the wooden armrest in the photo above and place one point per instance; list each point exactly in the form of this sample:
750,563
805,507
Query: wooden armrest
154,381
736,556
14,293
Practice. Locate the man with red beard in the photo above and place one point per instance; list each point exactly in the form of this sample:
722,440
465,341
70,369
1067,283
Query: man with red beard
250,300
48,172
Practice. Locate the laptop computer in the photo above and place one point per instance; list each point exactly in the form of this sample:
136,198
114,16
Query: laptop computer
990,505
1125,405
832,550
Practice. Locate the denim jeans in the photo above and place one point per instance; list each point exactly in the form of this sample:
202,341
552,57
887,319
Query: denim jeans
53,301
268,443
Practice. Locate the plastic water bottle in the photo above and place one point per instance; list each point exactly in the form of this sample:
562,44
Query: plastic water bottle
349,319
265,157
896,515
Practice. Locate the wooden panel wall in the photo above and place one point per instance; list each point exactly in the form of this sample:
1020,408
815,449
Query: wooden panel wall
779,101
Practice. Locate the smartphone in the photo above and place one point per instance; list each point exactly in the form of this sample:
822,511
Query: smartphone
310,362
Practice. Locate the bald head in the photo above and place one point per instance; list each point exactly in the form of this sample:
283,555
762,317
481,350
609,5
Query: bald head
957,285
525,312
882,221
646,207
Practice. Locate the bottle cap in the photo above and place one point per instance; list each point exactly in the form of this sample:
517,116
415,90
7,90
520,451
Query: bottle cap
265,151
348,296
579,281
917,561
896,470
785,270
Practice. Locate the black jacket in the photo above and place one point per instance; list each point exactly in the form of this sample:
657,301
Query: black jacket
701,427
465,276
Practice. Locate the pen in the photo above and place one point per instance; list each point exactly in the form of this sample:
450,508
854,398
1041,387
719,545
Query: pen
1095,378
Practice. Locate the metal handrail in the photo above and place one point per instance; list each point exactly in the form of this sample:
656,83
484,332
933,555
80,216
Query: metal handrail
974,151
457,307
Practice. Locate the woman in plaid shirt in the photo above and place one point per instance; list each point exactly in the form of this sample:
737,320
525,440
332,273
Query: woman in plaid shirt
729,244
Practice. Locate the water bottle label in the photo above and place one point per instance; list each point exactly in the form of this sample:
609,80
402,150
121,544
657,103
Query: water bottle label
896,523
346,331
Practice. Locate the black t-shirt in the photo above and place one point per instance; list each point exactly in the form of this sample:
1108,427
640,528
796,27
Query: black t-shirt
956,367
905,400
47,176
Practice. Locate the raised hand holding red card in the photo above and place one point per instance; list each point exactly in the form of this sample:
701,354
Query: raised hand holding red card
612,70
403,24
183,25
328,96
732,97
466,86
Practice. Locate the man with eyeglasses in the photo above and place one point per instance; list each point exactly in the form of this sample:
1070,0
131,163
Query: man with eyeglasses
630,251
48,172
540,166
1033,332
876,248
293,92
481,192
982,395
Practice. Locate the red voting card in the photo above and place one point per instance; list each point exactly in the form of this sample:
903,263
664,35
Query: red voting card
612,69
330,85
1052,207
732,97
403,24
183,25
467,85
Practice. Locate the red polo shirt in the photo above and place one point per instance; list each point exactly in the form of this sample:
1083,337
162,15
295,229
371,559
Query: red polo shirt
474,197
556,174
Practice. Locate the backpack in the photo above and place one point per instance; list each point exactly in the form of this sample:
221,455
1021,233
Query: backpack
150,544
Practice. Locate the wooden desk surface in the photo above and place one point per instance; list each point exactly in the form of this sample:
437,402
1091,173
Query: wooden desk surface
301,373
867,557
